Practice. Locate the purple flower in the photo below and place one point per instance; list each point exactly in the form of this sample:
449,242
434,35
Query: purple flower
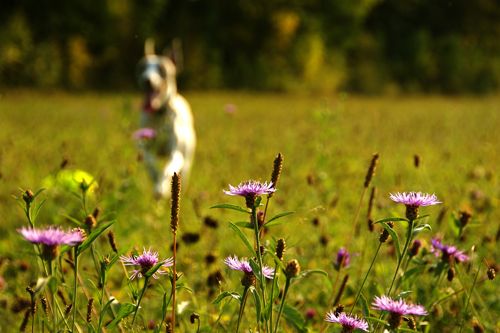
144,133
398,309
447,251
250,190
230,108
147,260
244,265
51,236
347,261
388,304
349,322
415,199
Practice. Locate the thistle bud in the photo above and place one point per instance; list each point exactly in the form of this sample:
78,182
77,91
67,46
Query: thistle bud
68,309
90,221
292,268
415,247
248,279
28,196
451,274
194,316
417,160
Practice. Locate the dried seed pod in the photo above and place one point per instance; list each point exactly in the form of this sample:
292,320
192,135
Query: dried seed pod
90,221
371,169
176,197
491,274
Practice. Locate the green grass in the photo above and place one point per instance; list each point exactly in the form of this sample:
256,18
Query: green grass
328,139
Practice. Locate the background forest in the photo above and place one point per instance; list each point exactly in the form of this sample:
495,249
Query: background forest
367,46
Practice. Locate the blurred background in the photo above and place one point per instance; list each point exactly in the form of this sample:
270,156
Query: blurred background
364,46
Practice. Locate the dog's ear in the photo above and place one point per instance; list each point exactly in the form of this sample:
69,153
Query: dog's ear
149,47
174,52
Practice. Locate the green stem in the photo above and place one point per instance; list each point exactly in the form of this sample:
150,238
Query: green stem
282,305
75,290
146,282
242,307
469,295
223,310
53,296
366,276
272,300
259,258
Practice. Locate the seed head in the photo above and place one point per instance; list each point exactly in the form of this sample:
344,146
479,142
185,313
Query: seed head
176,197
90,307
112,241
68,309
275,176
491,274
45,305
61,295
371,169
292,268
211,222
280,249
194,316
417,160
25,322
415,247
465,217
90,221
410,322
384,235
451,274
248,279
339,309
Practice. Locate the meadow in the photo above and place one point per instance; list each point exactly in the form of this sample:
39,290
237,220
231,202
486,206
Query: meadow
327,143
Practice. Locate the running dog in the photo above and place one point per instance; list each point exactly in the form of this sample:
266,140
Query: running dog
166,136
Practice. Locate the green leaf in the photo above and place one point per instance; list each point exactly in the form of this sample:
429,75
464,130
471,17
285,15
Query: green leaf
184,287
419,228
454,224
404,294
375,319
410,272
394,237
233,207
226,294
394,219
278,216
90,328
247,225
153,269
103,311
99,296
270,224
52,284
421,217
276,260
75,221
243,238
306,273
20,204
92,237
255,269
271,298
257,202
125,310
164,306
38,192
364,308
35,212
293,317
258,305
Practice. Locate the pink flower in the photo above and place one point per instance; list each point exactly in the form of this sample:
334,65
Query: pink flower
244,265
147,260
144,133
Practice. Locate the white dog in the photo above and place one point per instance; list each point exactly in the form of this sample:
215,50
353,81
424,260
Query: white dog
166,135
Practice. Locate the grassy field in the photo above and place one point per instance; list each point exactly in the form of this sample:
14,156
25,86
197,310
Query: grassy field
327,143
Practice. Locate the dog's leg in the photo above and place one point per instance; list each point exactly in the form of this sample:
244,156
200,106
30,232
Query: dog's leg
175,164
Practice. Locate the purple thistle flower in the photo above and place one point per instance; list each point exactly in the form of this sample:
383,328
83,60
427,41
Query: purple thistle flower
347,261
51,236
349,322
388,304
250,190
398,309
144,133
147,260
447,251
413,200
244,265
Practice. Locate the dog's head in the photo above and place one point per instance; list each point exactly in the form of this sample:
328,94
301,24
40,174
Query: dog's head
156,75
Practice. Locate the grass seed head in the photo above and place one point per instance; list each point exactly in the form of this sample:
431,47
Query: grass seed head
90,221
176,197
26,320
412,325
68,309
384,235
371,169
45,305
90,307
275,176
112,241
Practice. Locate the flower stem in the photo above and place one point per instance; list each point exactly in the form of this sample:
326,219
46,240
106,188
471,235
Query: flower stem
242,307
366,276
282,305
259,258
174,279
272,299
75,286
469,295
146,282
408,240
53,294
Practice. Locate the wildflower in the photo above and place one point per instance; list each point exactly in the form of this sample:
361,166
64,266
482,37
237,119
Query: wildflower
340,255
448,251
250,190
144,133
244,265
50,238
311,314
147,260
413,200
349,322
398,309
